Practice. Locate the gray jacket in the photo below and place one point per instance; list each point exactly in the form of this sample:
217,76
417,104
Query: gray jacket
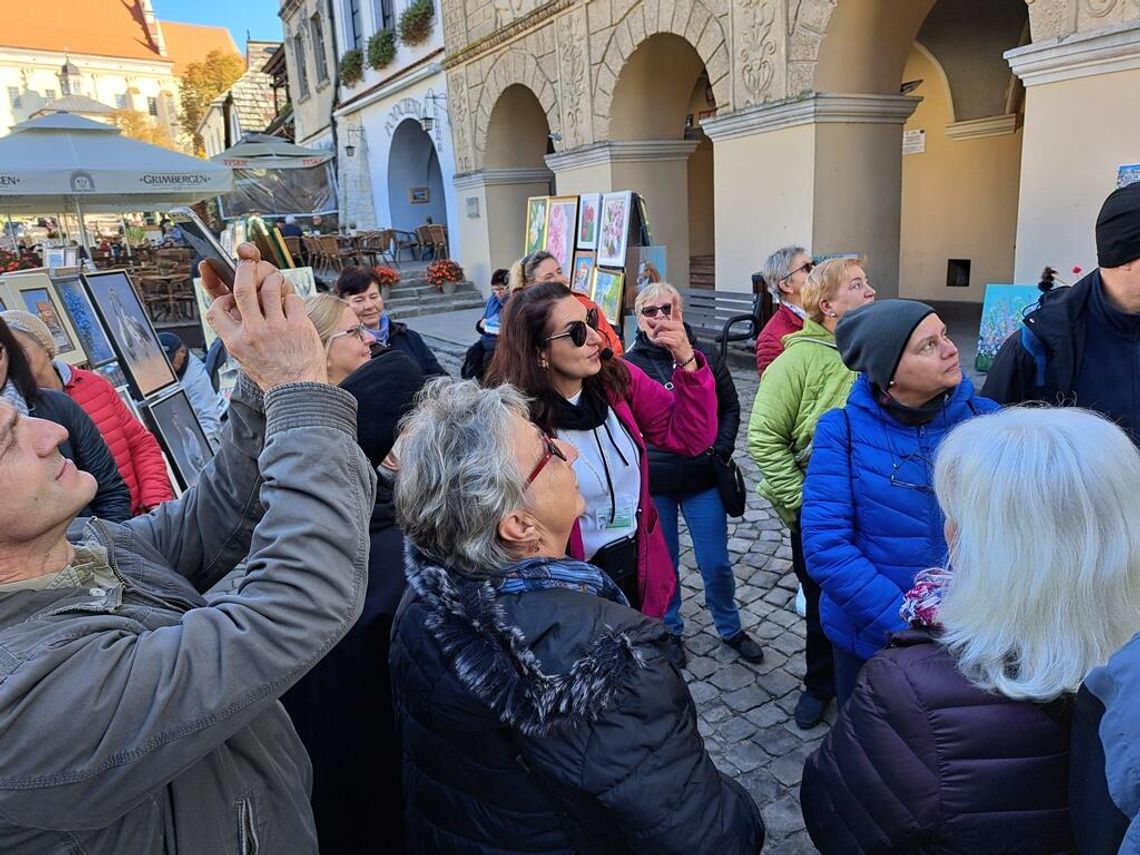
138,719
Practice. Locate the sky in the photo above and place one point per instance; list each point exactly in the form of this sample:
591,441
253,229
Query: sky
257,16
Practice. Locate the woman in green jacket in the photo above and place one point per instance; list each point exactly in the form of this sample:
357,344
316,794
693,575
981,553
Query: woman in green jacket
803,383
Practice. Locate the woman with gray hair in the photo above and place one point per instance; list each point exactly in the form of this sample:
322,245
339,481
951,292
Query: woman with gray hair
956,738
537,712
785,272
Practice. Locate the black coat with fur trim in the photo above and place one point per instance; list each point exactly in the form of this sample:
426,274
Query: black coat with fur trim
550,721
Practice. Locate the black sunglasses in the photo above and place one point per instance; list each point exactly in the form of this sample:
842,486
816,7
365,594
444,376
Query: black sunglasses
651,311
576,330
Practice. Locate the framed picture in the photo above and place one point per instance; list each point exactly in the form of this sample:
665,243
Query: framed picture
650,266
1003,309
177,428
606,291
419,195
55,257
112,372
614,230
561,224
34,293
580,278
589,205
132,335
124,393
534,238
88,327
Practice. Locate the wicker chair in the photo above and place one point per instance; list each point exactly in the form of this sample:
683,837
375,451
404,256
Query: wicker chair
437,235
402,240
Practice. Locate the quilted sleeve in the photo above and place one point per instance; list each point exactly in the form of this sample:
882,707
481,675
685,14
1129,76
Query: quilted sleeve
771,431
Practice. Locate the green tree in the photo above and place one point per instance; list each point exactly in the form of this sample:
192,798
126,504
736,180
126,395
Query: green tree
201,83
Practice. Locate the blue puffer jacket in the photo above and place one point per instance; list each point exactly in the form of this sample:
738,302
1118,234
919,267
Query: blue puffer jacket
866,536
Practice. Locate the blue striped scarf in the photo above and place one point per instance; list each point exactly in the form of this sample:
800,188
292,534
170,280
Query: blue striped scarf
540,574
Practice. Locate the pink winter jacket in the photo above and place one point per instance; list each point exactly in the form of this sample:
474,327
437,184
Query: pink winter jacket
683,421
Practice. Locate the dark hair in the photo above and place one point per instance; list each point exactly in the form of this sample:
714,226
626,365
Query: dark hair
19,371
500,276
523,338
355,280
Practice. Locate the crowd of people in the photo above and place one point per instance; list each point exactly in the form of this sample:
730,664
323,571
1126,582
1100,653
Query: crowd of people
465,593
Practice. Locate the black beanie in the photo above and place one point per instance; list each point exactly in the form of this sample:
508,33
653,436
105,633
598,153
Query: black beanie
1118,227
384,388
872,338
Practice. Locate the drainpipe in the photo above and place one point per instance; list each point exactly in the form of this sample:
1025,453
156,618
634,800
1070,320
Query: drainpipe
332,109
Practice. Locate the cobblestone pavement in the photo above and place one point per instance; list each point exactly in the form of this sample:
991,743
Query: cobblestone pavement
745,711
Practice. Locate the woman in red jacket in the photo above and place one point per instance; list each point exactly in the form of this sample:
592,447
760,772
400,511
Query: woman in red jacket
137,453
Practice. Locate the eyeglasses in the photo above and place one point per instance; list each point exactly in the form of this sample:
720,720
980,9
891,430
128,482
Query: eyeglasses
665,309
552,450
897,465
806,267
359,331
576,331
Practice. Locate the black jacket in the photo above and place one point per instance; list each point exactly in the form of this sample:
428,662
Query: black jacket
674,474
409,341
342,710
550,722
85,447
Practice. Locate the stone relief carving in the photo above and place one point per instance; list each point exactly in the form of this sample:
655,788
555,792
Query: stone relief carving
574,77
758,49
507,11
1100,8
1095,14
460,116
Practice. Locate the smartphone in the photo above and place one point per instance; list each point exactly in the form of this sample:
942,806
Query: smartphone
203,242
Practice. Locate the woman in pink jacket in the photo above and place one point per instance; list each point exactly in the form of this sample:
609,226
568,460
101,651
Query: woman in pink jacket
550,348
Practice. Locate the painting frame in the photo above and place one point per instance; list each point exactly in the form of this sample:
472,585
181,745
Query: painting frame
35,293
1003,308
606,290
589,213
582,273
84,319
131,332
561,227
534,230
613,228
173,420
419,195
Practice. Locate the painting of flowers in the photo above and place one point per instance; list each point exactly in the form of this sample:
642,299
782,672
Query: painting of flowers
614,228
535,237
1003,309
562,214
607,293
588,206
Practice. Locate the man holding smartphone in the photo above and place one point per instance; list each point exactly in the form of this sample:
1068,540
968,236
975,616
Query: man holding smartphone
138,717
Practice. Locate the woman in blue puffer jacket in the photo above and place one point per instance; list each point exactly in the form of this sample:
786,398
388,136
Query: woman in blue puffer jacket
870,519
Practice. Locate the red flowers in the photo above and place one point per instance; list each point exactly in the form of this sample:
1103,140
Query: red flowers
388,276
443,270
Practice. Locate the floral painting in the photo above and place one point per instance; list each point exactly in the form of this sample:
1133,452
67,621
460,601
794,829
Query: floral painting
588,207
607,293
561,218
580,278
1003,309
535,237
614,229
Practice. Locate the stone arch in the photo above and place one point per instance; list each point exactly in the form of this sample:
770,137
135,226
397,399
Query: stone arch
511,68
692,20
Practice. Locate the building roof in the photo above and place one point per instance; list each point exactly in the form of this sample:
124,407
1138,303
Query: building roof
252,93
187,43
94,27
77,104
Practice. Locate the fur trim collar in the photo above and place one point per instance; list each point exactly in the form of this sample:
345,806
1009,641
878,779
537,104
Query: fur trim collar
493,660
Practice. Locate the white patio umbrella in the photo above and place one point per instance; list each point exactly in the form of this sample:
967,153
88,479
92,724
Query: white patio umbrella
65,162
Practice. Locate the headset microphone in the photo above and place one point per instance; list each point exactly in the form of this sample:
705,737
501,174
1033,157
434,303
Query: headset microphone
606,354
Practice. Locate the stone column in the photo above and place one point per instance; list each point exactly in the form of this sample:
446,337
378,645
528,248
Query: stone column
1081,124
492,217
823,171
657,169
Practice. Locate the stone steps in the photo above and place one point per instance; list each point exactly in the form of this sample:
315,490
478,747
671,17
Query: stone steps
414,297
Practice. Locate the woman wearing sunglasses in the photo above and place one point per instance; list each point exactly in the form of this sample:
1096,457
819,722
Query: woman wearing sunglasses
550,348
347,343
687,484
541,266
870,518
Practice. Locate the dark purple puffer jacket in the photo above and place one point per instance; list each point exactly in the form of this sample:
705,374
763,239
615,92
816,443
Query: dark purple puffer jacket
921,761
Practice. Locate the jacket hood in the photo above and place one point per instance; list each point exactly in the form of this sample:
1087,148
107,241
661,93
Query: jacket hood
957,406
813,332
493,660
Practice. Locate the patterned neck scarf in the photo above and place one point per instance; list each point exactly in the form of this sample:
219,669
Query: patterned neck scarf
12,395
541,574
922,602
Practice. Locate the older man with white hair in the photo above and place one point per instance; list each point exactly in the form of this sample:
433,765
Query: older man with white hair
137,717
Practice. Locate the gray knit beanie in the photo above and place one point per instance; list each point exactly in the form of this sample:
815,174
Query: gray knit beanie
872,338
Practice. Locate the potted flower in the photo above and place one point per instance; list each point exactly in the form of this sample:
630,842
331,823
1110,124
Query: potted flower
388,277
381,48
416,21
351,67
443,274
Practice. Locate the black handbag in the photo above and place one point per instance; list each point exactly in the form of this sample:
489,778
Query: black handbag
729,483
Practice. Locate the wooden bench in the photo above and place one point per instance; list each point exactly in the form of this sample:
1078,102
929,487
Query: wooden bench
724,316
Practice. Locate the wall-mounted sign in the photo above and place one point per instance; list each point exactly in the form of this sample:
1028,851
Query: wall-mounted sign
914,142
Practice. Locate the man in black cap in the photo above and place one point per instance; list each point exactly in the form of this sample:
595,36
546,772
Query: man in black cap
208,405
1081,347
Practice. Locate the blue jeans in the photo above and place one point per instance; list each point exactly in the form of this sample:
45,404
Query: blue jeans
847,668
708,526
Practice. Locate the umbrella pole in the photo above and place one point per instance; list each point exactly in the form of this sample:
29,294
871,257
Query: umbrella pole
126,234
82,228
11,232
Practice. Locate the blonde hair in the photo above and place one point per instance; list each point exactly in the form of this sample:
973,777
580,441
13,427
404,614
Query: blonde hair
1045,503
324,310
654,290
824,282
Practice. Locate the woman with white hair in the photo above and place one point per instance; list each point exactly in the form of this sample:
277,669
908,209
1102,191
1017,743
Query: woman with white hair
956,738
537,711
785,272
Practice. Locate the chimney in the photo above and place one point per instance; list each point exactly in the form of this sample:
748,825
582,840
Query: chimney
153,27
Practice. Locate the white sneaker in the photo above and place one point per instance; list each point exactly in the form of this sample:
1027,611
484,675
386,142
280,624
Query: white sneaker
801,602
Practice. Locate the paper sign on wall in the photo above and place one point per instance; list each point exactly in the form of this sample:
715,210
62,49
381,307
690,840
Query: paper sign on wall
914,142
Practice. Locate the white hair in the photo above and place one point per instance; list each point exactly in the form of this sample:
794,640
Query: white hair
1045,547
778,267
654,290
